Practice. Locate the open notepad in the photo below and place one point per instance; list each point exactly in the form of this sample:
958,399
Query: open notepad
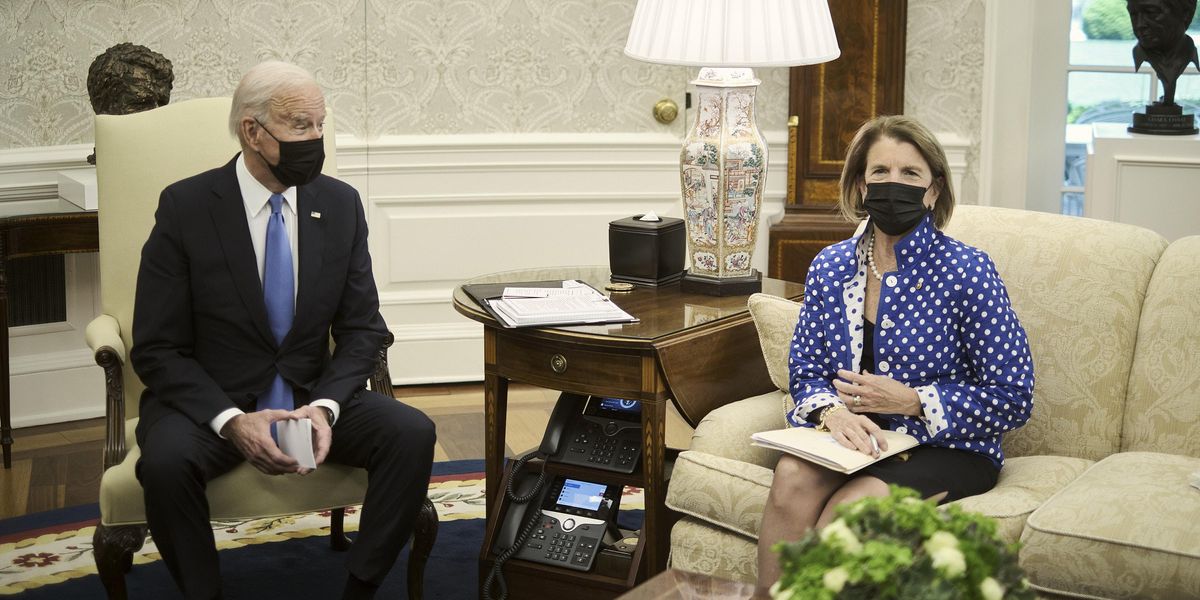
538,304
820,447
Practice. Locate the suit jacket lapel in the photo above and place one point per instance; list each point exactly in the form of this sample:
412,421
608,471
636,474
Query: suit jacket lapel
311,229
233,233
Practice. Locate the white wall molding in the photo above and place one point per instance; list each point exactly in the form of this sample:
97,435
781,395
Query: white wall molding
441,208
468,330
42,159
957,149
28,191
29,177
49,362
509,198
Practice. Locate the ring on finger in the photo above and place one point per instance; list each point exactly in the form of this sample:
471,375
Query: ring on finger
857,400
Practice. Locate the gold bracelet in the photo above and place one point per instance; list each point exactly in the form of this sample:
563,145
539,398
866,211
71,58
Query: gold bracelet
821,426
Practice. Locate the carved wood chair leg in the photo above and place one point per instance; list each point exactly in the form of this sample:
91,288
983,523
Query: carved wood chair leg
337,531
424,535
113,548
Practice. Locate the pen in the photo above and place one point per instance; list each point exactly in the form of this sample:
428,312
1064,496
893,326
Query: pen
874,444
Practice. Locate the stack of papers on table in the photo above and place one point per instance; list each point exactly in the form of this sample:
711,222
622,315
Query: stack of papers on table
568,302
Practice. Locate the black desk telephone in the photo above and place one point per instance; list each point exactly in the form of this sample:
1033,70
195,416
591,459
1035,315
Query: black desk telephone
563,524
603,433
574,517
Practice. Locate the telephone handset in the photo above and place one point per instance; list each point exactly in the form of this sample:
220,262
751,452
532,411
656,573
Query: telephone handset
567,523
565,409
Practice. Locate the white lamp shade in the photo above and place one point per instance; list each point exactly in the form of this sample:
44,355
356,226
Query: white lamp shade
732,33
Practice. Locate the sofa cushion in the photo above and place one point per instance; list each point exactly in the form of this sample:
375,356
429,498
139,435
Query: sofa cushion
731,494
1126,528
330,486
775,318
1162,413
1077,286
727,493
1025,483
702,548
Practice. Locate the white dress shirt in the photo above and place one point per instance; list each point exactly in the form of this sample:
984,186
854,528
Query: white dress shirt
258,213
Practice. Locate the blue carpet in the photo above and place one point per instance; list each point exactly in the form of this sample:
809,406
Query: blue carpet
294,569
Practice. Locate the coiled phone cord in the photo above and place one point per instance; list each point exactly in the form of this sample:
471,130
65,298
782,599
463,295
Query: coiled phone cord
496,575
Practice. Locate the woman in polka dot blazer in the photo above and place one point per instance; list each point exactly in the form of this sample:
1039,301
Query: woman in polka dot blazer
903,328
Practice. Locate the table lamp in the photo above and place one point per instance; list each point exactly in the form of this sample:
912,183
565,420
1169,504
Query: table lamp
723,163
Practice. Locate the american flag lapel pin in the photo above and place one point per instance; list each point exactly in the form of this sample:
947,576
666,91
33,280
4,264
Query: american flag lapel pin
314,214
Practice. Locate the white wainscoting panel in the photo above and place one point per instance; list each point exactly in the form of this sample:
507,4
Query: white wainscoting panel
444,209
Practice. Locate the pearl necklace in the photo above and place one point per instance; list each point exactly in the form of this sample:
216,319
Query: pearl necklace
871,256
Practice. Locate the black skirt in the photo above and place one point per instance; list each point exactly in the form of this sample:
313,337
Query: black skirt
932,470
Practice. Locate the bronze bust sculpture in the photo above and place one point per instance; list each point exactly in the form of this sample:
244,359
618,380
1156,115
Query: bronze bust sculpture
128,78
1161,30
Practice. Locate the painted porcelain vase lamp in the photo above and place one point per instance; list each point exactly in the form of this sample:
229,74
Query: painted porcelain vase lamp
723,163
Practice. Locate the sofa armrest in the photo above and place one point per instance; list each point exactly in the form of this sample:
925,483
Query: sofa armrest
105,331
726,430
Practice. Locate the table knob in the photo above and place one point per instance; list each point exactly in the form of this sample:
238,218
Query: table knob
558,364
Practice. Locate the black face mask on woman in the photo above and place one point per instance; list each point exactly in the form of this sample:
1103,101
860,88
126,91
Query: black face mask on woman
895,207
299,162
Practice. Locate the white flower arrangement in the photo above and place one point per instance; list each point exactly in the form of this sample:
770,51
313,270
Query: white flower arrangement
901,547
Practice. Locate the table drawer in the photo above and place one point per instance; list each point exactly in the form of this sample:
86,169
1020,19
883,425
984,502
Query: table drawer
565,367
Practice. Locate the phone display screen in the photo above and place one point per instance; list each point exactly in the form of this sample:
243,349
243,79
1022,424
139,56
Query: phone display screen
618,409
583,495
632,407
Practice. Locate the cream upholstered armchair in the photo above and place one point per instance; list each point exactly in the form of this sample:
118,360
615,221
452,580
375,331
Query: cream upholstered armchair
136,157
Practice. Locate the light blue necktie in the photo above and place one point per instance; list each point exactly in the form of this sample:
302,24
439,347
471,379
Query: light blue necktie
278,286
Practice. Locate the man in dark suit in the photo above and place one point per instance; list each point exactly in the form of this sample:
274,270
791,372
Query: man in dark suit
227,344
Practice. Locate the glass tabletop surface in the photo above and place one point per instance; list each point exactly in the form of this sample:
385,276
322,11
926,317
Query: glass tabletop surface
661,311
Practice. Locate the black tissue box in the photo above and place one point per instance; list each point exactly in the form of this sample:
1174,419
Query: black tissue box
646,252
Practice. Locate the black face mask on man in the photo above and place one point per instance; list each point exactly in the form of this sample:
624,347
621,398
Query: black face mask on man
895,207
299,162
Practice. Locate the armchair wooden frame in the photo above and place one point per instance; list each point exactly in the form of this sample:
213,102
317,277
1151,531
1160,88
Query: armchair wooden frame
113,546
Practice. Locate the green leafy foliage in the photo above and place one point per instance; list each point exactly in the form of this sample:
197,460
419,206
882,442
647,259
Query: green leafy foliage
1107,20
900,546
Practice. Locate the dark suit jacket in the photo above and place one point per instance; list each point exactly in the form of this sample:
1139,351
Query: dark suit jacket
201,342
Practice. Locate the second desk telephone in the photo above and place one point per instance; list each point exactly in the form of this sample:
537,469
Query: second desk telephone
564,523
605,434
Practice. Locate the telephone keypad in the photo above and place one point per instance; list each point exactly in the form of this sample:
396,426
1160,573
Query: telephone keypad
595,447
574,550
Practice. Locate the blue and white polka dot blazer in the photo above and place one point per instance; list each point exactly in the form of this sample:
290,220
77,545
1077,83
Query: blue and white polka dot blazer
945,328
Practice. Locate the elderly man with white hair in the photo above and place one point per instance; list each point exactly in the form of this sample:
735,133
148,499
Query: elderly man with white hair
249,270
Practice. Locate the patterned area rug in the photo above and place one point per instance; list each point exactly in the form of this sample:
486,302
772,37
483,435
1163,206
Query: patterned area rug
49,555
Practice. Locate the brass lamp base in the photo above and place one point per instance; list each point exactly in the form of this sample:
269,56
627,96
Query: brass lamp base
721,286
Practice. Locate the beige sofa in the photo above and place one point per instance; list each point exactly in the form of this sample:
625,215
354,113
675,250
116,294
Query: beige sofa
1096,484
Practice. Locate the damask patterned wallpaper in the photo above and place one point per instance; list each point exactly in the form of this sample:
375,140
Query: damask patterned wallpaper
943,78
412,67
427,66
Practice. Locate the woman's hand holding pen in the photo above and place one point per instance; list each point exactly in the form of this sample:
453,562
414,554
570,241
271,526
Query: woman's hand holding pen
856,432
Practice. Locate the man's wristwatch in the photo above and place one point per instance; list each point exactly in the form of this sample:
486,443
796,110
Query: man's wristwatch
328,415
